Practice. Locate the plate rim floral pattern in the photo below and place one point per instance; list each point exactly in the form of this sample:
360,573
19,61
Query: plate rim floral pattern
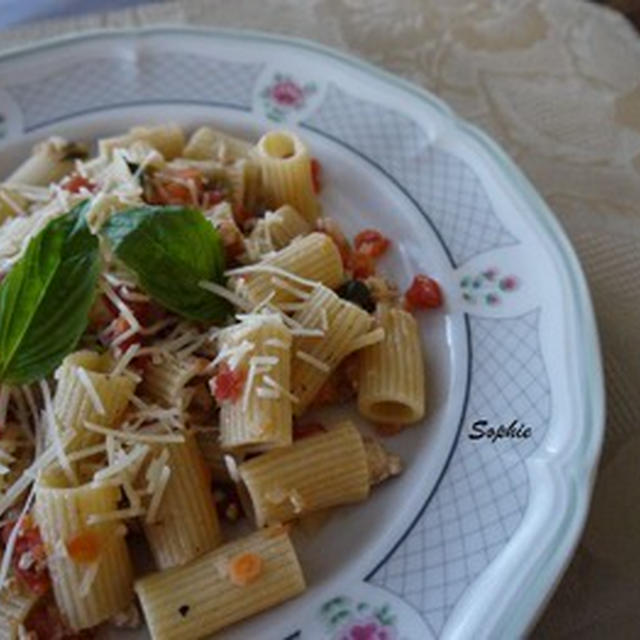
579,469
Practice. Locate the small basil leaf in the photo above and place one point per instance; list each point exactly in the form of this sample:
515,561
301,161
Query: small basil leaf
171,250
45,298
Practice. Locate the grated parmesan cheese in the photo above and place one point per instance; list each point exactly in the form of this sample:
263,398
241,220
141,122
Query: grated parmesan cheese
313,361
267,394
138,452
225,293
89,387
286,286
145,438
13,538
54,432
366,340
86,452
158,494
269,381
110,516
273,270
276,343
88,579
125,360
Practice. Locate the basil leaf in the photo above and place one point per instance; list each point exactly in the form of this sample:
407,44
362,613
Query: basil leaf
45,298
171,250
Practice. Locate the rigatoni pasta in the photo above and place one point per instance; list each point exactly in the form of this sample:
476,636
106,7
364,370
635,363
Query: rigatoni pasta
183,524
217,589
286,172
89,561
260,418
341,325
166,380
50,161
278,228
280,276
210,144
391,386
206,310
166,139
87,391
316,472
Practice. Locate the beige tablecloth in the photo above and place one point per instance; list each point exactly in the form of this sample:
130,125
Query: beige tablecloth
557,82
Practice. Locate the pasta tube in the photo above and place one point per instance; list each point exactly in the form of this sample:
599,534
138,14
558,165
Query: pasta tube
314,473
314,257
391,372
209,144
278,228
89,561
168,139
183,524
244,177
12,203
286,172
224,586
165,382
86,391
261,417
50,161
341,324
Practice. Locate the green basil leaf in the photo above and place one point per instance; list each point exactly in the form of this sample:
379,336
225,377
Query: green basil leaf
45,298
171,250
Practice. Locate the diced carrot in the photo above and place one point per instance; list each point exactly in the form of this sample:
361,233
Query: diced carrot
245,568
84,547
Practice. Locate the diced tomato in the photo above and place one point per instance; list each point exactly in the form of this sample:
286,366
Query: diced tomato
177,186
34,574
424,293
232,239
75,182
242,215
84,548
361,265
306,429
388,430
45,622
227,383
316,173
371,242
212,197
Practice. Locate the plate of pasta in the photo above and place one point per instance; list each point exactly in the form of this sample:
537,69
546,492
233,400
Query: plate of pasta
286,351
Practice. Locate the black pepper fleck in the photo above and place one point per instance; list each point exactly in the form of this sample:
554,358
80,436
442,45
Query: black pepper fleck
184,610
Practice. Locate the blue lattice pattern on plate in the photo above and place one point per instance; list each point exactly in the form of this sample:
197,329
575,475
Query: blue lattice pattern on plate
484,493
446,188
96,83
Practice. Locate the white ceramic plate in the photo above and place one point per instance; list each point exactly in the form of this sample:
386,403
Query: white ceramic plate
471,540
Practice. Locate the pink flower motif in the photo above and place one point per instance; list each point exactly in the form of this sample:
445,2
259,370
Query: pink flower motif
369,629
287,93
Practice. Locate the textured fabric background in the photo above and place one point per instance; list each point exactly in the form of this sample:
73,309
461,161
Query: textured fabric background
557,83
